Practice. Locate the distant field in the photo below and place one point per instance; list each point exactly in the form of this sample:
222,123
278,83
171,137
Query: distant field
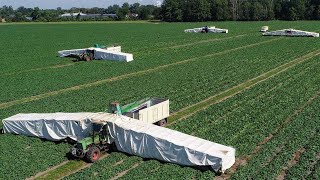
257,94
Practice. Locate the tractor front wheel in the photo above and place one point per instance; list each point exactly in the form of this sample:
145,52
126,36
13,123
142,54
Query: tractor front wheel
93,154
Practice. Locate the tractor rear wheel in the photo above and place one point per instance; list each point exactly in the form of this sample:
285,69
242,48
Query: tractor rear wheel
93,154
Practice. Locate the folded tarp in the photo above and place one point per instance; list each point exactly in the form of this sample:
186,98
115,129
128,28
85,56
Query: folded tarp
150,141
50,126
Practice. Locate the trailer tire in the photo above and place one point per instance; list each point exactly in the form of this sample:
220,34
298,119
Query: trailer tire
162,122
93,154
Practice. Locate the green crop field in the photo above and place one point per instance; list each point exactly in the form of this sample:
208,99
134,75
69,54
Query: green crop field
257,94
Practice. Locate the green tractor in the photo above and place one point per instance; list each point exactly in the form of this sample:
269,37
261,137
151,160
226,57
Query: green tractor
150,110
90,148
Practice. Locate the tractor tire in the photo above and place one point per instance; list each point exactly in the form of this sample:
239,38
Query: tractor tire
93,154
162,122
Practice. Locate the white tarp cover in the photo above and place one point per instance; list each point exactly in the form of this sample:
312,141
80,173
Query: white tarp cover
51,126
111,53
291,32
212,29
131,136
150,141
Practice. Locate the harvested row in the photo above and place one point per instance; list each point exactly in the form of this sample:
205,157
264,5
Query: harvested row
107,168
251,114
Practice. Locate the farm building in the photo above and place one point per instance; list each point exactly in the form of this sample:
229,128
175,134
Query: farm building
82,15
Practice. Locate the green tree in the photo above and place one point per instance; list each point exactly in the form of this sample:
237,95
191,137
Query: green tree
35,14
219,10
171,10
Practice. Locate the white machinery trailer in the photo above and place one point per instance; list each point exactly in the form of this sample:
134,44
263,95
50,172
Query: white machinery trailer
151,110
291,33
108,53
129,135
206,29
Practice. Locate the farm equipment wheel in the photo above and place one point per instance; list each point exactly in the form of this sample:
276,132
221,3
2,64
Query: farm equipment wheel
162,122
93,154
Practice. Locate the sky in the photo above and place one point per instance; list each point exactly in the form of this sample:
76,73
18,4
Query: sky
67,4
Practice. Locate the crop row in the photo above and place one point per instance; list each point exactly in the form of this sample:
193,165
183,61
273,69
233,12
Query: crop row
219,123
301,132
256,112
107,168
23,157
37,82
32,47
184,86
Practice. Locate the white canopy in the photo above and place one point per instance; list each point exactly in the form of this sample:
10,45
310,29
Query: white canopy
130,135
291,32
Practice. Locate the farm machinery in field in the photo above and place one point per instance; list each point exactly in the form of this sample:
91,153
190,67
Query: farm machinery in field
135,129
206,29
291,33
97,52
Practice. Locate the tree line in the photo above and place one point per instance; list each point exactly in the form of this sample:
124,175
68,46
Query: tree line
180,11
240,10
125,12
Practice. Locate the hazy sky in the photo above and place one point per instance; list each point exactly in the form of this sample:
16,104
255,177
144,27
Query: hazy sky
52,4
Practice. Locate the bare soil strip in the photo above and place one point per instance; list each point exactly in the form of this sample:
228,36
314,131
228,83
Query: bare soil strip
257,149
138,73
190,110
295,159
39,69
47,171
125,172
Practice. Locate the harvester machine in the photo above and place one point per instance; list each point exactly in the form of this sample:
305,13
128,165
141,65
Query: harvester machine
134,129
291,33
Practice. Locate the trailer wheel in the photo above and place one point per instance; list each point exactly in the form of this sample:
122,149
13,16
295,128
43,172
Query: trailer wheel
162,122
93,154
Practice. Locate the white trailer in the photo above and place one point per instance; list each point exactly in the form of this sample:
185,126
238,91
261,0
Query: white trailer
149,110
291,33
108,53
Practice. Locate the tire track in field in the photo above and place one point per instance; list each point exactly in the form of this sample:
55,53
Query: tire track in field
185,112
125,171
39,69
243,160
202,41
124,76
